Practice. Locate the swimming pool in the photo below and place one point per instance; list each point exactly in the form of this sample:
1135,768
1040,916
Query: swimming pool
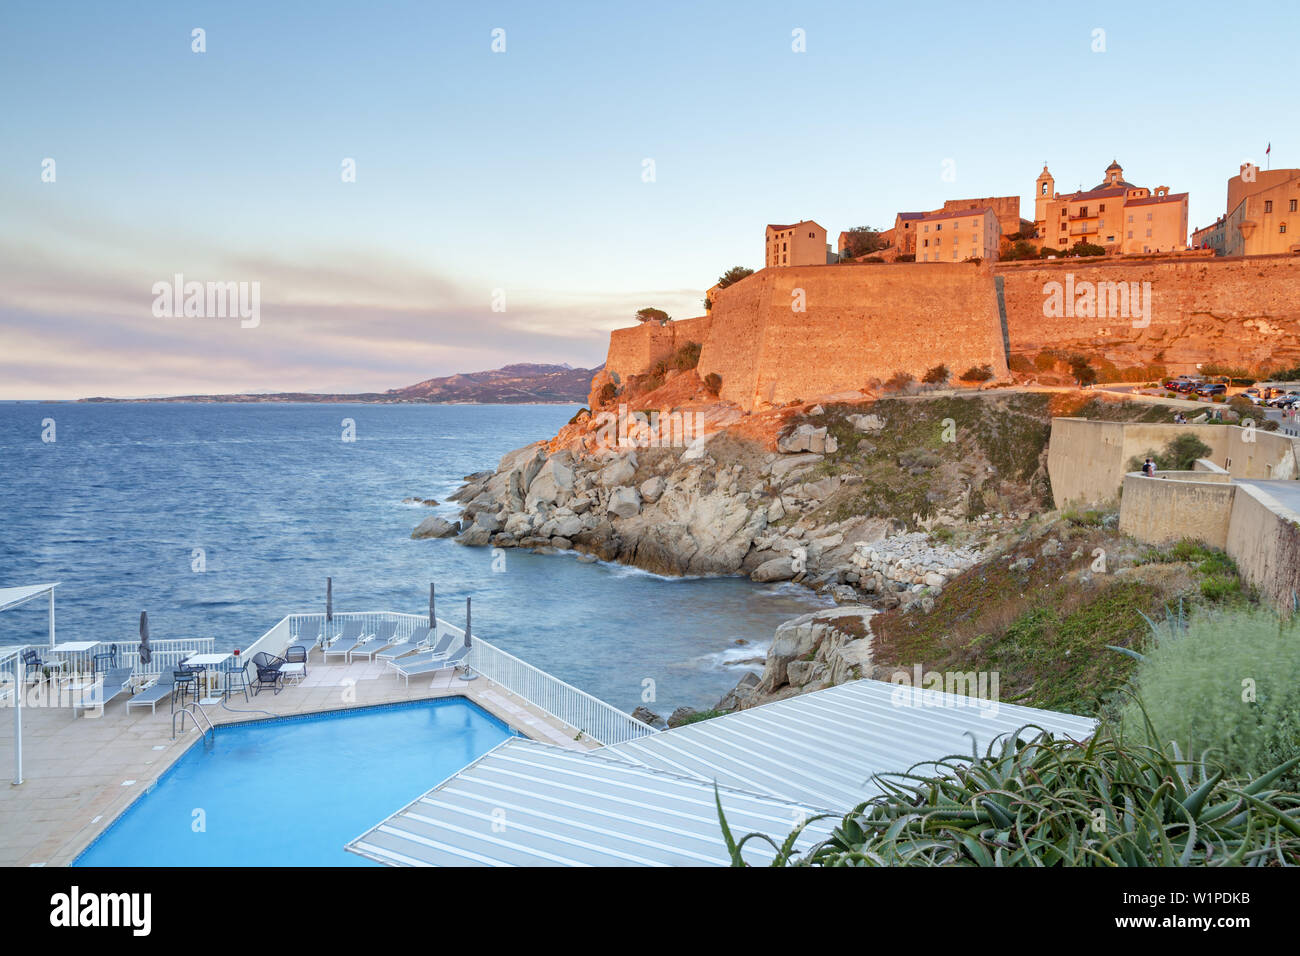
292,791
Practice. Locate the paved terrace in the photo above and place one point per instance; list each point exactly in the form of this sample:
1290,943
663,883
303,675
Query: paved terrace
80,773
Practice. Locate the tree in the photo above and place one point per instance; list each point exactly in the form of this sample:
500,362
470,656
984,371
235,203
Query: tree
936,376
1082,370
733,275
713,382
1082,248
862,241
653,315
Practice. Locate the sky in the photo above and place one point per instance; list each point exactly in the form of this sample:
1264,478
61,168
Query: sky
503,208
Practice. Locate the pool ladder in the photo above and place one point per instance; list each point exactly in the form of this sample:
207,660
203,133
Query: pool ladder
195,712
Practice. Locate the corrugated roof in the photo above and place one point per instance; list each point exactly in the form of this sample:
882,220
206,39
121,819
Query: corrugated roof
531,804
650,801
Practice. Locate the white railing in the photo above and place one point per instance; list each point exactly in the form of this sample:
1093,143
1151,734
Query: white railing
581,711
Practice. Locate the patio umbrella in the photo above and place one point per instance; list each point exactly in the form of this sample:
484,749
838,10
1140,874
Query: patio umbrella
433,618
329,600
146,652
467,622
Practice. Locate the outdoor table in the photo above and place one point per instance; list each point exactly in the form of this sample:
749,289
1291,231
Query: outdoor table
75,658
208,664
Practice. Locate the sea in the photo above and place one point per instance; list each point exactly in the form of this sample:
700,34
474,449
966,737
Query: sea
219,519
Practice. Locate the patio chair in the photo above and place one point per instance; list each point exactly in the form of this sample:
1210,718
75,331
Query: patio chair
297,654
115,679
155,692
309,635
352,636
435,652
418,641
384,632
34,667
185,680
268,672
236,679
450,662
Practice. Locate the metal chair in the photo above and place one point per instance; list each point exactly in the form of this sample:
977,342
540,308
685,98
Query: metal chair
184,679
236,679
268,672
297,654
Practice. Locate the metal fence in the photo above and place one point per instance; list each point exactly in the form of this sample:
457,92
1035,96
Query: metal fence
590,715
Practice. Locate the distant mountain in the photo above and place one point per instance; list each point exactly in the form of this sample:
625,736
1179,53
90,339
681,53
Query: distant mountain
512,385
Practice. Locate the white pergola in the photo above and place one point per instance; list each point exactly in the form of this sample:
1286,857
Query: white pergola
10,598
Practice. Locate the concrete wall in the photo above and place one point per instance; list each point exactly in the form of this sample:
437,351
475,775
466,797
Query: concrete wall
861,322
1087,460
633,351
1264,540
1184,504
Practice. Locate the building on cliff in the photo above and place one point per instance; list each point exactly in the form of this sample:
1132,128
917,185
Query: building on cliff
958,235
1114,214
801,244
1261,218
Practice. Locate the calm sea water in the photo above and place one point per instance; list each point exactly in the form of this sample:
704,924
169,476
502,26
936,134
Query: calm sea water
121,503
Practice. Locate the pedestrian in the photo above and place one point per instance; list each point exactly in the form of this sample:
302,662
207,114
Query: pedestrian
1149,468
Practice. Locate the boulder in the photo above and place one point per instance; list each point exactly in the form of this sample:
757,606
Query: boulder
783,466
736,697
435,527
807,438
777,569
553,483
653,488
618,472
648,716
867,423
682,715
624,502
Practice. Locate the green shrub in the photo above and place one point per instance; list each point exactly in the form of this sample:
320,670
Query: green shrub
1224,684
1044,801
686,357
713,382
899,381
938,375
977,373
608,392
1180,454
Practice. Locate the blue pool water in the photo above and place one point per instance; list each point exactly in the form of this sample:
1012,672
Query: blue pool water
122,503
292,792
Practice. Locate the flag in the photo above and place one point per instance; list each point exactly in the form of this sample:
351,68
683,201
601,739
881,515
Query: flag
1269,150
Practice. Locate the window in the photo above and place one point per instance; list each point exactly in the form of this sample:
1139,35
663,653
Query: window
939,228
1044,189
1101,207
1130,233
1268,205
1291,208
1282,228
785,247
1148,219
1148,233
1064,212
1130,217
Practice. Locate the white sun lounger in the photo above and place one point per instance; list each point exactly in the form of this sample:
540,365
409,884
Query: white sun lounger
433,652
452,660
418,641
352,636
384,632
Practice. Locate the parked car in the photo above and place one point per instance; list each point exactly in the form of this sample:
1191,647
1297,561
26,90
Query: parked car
1211,389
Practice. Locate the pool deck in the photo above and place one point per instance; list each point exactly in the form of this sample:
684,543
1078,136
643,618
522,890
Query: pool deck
80,773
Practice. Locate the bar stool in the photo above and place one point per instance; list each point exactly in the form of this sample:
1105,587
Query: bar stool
184,679
236,679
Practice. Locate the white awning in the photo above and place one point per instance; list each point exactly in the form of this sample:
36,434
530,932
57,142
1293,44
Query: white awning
650,801
12,597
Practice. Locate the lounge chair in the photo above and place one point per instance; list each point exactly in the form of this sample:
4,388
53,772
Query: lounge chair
418,641
309,635
384,632
434,652
115,679
451,661
155,692
352,636
268,672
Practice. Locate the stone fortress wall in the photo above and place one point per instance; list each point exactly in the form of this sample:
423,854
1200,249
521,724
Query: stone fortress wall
868,321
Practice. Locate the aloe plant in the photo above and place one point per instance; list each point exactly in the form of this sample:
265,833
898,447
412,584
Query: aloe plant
1035,800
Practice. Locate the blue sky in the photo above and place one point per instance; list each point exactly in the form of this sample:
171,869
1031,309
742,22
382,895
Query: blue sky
522,171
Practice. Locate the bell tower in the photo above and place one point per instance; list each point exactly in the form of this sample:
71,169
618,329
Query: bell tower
1044,192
